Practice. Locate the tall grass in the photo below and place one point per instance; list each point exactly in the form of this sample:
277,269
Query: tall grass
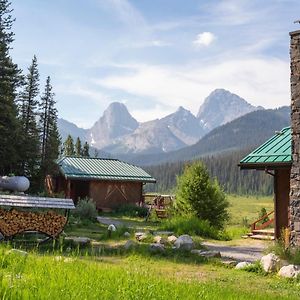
46,277
191,225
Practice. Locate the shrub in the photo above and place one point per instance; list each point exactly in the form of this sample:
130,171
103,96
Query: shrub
262,213
132,210
85,210
190,225
199,195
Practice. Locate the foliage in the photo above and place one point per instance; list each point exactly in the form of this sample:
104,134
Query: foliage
85,210
10,80
78,150
190,225
262,213
50,139
86,150
69,146
132,210
255,267
224,167
198,194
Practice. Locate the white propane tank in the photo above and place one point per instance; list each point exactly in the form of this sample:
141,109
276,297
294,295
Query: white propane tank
14,183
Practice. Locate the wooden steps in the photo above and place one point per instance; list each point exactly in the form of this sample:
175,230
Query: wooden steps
261,234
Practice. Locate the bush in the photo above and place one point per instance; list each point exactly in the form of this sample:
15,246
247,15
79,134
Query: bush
191,225
132,210
85,210
197,194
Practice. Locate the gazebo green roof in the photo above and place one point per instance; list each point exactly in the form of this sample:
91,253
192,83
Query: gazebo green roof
275,152
82,168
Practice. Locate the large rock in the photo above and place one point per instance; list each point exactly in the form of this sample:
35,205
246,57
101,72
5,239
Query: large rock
156,248
290,271
126,234
159,240
172,239
270,263
184,242
205,253
242,265
79,240
18,252
130,245
140,236
112,227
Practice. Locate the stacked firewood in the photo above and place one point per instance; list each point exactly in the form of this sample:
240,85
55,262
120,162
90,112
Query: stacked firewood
13,222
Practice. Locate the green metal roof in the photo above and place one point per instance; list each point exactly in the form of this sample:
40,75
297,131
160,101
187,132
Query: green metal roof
101,169
275,151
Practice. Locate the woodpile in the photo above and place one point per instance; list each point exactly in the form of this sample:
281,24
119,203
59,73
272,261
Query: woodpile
13,222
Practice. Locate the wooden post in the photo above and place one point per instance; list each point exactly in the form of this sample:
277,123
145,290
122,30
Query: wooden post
281,205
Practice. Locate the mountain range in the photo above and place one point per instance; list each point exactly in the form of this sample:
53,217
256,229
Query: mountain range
118,133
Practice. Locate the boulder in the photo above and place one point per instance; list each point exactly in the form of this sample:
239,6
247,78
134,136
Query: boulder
184,242
290,271
127,234
140,236
172,239
130,244
270,262
206,253
155,248
17,252
79,240
242,265
159,240
112,227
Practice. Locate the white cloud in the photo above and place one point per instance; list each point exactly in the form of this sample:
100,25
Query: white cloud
260,81
147,114
204,39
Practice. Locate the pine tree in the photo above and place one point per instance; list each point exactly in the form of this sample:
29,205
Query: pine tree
86,150
78,150
69,146
50,140
10,80
28,116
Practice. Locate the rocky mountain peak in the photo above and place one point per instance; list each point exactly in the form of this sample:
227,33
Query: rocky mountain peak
221,107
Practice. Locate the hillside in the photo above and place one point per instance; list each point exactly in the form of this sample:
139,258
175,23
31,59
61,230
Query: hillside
247,131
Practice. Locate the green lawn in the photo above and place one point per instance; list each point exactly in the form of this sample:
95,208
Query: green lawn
132,276
248,207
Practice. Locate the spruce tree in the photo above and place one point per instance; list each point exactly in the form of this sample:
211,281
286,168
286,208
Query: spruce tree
86,150
50,140
78,150
10,80
28,116
69,146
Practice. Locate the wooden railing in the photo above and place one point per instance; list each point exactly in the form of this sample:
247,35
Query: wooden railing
254,225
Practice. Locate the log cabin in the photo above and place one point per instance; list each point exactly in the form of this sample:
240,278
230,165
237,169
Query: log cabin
108,182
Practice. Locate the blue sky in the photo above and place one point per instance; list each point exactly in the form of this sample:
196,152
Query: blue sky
156,55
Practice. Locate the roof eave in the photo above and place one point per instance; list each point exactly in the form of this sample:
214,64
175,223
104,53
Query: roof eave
265,165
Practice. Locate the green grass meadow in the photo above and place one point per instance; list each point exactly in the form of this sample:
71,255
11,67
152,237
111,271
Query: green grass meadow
105,270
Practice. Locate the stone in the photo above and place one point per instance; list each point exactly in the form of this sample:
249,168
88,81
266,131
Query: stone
140,236
112,227
270,262
205,253
184,242
18,252
229,262
290,271
172,239
242,265
159,240
156,248
79,240
130,244
127,234
163,232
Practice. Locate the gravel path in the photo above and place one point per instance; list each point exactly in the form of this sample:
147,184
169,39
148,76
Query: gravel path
251,252
108,221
